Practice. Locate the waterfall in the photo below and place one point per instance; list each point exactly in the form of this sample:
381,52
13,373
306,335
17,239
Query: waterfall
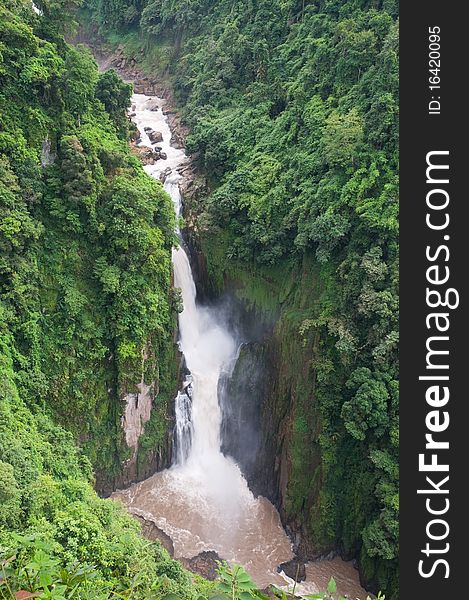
183,430
203,501
207,346
205,342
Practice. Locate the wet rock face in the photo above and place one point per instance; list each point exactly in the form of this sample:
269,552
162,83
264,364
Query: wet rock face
47,157
151,532
137,412
242,396
204,564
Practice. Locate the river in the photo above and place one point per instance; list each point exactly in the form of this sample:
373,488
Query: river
203,501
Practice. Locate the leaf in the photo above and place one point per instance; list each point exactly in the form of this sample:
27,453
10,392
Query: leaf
33,567
259,594
246,585
24,595
45,579
332,586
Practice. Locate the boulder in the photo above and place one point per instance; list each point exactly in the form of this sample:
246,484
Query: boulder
165,174
155,136
152,532
151,104
146,155
204,564
177,141
295,569
163,155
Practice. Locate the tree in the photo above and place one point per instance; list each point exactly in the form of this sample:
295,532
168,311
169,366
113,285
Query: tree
151,19
10,497
343,135
115,95
368,408
59,16
80,81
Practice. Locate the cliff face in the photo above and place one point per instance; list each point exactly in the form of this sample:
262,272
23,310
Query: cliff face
271,417
144,422
268,403
242,397
280,406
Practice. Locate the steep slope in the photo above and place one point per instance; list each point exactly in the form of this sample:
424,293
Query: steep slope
85,251
85,316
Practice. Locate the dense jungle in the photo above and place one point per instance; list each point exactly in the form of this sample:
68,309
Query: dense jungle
289,114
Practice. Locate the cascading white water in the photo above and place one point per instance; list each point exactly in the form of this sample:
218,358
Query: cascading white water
203,501
206,346
205,342
183,432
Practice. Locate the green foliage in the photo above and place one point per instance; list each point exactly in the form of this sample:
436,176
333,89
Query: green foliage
85,237
86,310
368,407
10,499
235,582
80,80
151,18
32,565
115,95
293,112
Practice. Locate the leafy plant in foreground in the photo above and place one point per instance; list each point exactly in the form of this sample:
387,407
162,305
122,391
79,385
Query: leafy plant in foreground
235,582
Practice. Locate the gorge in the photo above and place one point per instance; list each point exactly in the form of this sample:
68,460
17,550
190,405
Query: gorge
289,265
203,501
